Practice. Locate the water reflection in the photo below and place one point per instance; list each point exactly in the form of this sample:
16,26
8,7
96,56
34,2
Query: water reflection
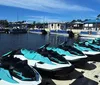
55,40
30,41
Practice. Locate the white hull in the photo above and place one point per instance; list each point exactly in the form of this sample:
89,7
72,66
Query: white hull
91,52
88,38
35,32
67,54
36,64
88,51
74,57
60,34
37,82
88,35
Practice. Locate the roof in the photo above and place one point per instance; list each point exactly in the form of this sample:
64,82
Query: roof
93,21
78,22
57,22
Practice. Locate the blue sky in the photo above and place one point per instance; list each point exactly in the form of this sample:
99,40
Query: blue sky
48,10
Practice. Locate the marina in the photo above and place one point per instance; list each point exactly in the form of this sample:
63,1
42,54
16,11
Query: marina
86,74
49,42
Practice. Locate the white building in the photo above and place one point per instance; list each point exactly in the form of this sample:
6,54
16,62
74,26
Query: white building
57,26
92,25
77,25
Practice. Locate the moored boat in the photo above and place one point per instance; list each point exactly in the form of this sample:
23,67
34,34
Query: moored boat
78,58
15,71
49,66
59,32
91,34
38,31
92,52
18,31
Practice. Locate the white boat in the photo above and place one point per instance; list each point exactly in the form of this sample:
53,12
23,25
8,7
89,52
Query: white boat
71,54
91,52
7,79
14,71
38,31
90,34
59,32
44,64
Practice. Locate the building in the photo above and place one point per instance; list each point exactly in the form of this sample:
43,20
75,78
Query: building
57,26
77,25
20,25
92,25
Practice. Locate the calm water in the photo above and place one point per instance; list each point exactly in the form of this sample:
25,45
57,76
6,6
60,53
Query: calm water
10,42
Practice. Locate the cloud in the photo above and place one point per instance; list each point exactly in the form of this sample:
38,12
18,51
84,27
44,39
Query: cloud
43,19
35,17
51,6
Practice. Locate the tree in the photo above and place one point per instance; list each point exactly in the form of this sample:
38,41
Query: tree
86,19
4,23
79,20
73,21
39,25
34,23
98,16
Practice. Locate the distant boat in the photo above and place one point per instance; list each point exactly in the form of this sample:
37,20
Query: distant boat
92,34
38,31
59,32
2,30
18,31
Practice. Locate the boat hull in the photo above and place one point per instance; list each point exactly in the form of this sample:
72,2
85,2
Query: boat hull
18,31
78,62
38,31
59,32
88,35
55,72
49,70
93,34
93,57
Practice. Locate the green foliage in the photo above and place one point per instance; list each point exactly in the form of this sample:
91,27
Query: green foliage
98,16
4,23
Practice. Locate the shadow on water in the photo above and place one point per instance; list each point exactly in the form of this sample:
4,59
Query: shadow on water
55,40
87,66
10,42
84,81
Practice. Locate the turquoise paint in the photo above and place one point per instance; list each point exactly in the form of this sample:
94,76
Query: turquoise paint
32,55
57,60
62,52
6,54
96,46
81,48
89,42
42,46
97,39
5,75
20,74
59,51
